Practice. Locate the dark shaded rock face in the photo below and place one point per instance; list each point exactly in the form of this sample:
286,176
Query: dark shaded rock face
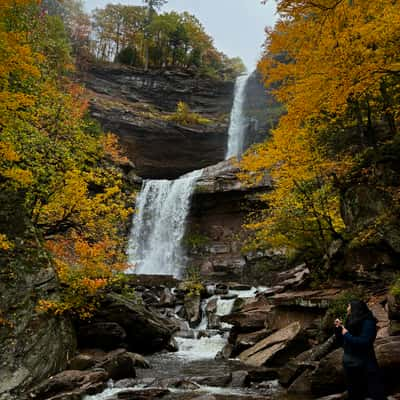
261,109
134,325
134,104
32,345
215,235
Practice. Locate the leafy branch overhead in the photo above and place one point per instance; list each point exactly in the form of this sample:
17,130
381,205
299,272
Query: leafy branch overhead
334,65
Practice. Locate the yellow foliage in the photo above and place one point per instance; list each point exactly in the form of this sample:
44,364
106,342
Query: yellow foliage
50,148
4,242
113,149
332,64
184,116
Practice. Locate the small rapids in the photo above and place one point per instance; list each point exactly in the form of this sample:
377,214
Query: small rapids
195,361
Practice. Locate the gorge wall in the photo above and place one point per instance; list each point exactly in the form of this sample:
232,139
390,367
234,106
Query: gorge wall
135,105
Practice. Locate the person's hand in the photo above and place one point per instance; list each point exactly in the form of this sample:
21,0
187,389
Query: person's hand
344,331
338,323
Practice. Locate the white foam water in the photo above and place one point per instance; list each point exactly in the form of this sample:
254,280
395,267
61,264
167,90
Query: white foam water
237,126
155,244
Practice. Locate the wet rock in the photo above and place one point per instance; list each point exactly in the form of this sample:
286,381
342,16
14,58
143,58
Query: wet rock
269,347
103,335
246,340
82,382
328,377
307,299
118,364
250,317
146,330
229,296
81,362
225,353
240,379
337,396
215,381
294,277
186,385
167,299
125,383
308,359
140,394
213,320
150,298
139,361
192,307
221,289
239,286
151,281
393,307
223,177
33,345
172,345
263,374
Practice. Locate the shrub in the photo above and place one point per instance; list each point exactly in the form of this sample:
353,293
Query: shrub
184,116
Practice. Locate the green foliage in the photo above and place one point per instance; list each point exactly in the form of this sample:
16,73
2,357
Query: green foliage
139,36
395,289
123,284
192,283
184,116
196,240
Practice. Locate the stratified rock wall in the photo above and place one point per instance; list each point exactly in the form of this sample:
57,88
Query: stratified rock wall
215,234
135,105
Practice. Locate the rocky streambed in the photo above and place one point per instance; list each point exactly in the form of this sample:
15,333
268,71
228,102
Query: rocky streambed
181,340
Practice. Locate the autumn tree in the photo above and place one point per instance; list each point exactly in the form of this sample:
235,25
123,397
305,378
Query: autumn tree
334,65
55,158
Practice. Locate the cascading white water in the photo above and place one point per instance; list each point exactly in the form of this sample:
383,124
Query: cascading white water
237,126
155,244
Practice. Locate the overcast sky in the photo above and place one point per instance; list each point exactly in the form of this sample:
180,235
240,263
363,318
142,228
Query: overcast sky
237,26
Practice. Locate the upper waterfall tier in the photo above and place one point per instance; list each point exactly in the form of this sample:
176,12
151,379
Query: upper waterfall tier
237,126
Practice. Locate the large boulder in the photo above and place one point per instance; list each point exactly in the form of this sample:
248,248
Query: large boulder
103,335
146,330
71,382
268,348
328,377
251,316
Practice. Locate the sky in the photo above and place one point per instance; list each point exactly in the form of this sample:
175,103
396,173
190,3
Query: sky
237,26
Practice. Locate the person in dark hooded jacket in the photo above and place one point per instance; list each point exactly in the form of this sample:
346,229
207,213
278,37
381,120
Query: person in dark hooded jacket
363,376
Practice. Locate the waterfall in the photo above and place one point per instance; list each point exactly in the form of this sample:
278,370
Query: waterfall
155,244
237,126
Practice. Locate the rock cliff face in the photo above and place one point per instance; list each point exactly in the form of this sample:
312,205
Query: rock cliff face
215,234
135,105
261,109
32,345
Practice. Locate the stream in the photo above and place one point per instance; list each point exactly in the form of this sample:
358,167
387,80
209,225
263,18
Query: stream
193,372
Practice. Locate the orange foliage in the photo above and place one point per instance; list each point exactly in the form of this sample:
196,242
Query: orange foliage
49,146
332,65
113,149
